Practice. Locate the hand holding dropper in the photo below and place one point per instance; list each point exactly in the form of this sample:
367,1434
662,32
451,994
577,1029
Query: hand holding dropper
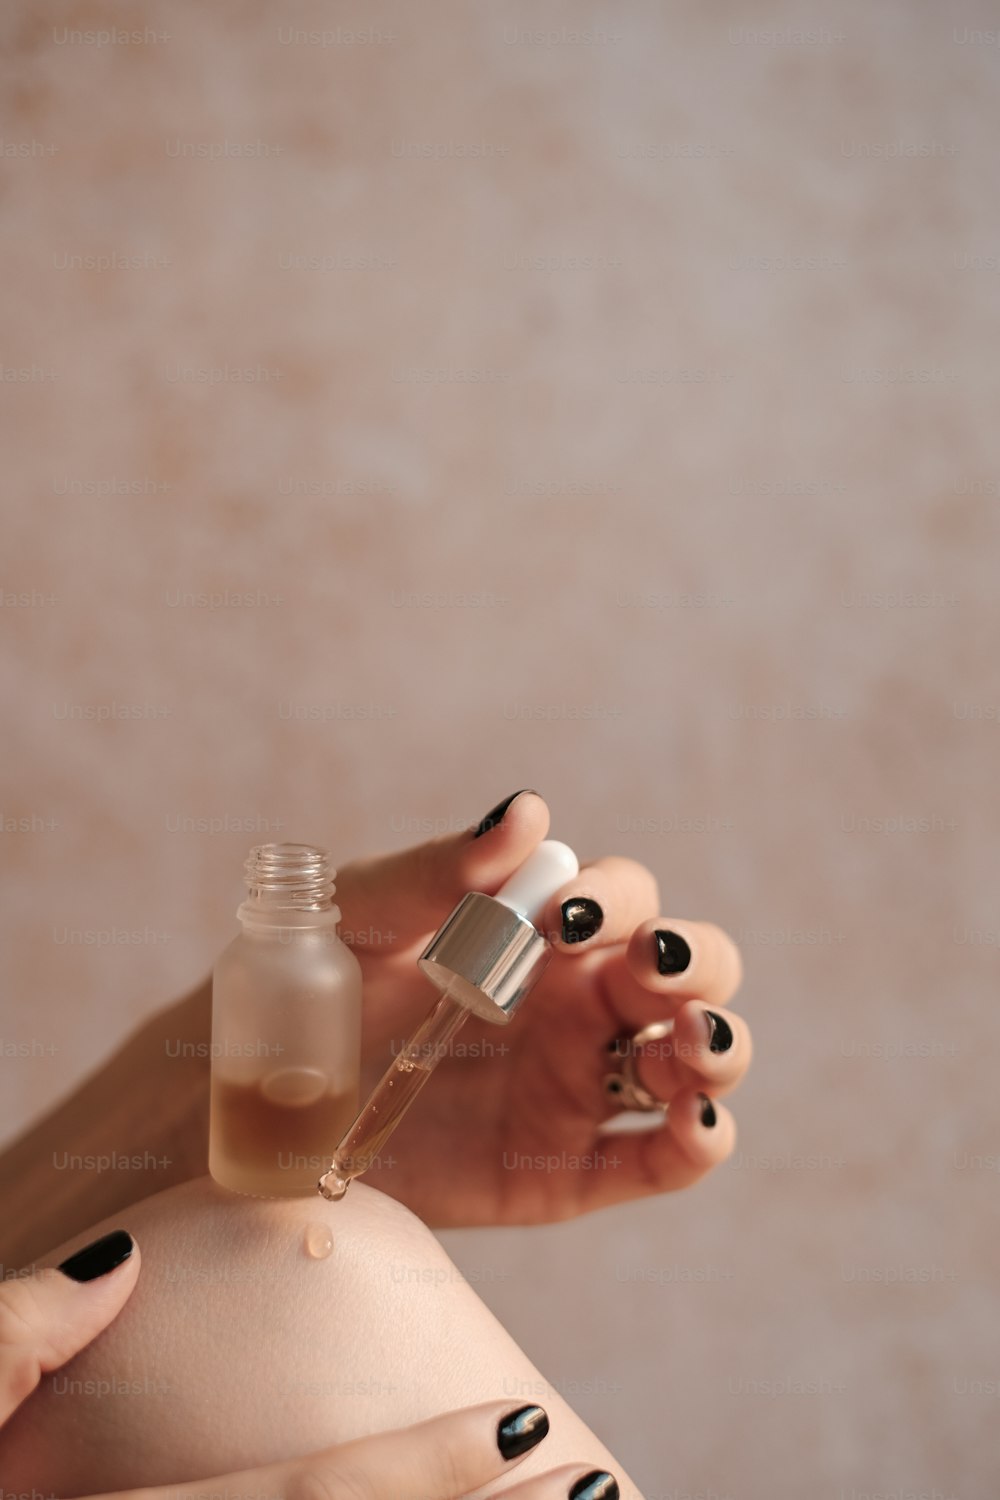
485,958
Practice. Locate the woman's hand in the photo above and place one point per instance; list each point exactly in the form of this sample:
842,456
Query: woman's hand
506,1136
506,1131
444,1458
48,1316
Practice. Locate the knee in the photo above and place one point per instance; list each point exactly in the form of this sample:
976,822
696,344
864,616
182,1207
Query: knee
239,1346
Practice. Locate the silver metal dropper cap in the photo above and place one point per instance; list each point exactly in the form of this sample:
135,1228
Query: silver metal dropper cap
488,955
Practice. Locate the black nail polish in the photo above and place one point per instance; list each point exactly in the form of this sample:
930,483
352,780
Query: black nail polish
581,918
597,1485
100,1257
520,1431
707,1111
722,1033
495,816
672,953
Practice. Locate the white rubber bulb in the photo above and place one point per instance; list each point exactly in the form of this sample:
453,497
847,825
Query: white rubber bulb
543,872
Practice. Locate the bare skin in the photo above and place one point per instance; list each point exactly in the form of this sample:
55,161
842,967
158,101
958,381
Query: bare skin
237,1349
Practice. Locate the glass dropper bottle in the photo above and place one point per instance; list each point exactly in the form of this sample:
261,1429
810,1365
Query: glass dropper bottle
485,958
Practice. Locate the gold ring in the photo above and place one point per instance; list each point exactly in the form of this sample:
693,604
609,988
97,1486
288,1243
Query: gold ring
624,1087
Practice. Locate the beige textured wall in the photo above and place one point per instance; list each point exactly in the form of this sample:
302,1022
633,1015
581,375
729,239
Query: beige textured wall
726,499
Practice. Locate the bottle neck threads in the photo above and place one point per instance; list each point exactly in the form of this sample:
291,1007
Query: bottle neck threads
288,877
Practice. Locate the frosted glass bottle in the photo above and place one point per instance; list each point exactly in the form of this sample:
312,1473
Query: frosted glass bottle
286,1030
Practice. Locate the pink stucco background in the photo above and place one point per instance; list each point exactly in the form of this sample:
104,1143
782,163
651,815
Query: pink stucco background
624,426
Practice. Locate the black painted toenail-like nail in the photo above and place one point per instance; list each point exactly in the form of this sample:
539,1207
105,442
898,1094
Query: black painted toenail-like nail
581,918
597,1485
707,1111
672,953
721,1038
100,1257
520,1431
495,815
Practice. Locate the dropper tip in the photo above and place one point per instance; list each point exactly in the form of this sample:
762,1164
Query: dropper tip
332,1186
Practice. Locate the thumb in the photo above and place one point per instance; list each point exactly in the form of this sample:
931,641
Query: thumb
392,901
48,1316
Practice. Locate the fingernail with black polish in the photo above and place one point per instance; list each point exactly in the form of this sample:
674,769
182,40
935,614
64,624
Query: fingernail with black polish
597,1485
100,1257
496,815
707,1111
721,1033
520,1431
672,953
581,918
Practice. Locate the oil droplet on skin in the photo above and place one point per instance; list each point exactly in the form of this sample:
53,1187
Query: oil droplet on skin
317,1241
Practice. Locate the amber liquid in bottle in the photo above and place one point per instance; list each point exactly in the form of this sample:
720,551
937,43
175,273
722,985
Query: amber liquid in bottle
276,1146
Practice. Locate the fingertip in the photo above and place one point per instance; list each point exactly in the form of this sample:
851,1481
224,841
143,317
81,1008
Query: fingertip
102,1257
576,915
661,952
516,827
581,918
519,1431
496,815
703,1127
715,1044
